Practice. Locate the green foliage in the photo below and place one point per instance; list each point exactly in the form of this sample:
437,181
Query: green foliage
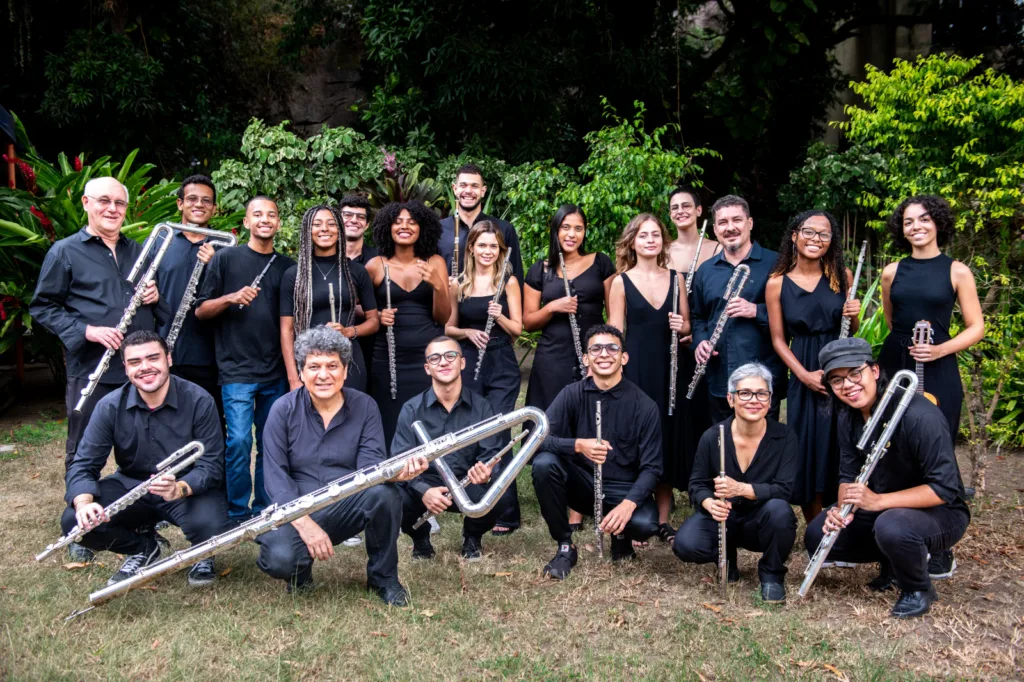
533,191
1001,360
832,180
872,327
402,184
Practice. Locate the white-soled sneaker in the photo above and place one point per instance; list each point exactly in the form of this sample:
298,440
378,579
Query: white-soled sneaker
353,541
135,563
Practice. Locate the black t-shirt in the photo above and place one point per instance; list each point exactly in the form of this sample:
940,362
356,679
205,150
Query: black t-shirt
325,271
248,339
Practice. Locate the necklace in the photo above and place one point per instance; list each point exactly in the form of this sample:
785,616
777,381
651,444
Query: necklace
322,270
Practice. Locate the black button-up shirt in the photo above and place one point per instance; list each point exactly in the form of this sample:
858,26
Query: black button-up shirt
300,455
920,453
82,284
366,255
744,339
771,472
446,245
194,346
141,438
630,422
469,409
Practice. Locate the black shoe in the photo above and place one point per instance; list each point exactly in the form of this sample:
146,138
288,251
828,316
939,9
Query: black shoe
575,527
151,531
622,549
392,594
80,554
202,573
471,550
733,572
666,533
561,565
773,593
135,563
302,582
421,548
885,581
941,565
914,604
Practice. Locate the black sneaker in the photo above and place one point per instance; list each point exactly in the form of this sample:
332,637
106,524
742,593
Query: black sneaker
471,550
151,531
575,527
773,593
302,582
885,581
392,594
941,564
733,572
914,604
80,554
135,563
421,548
202,573
561,565
622,549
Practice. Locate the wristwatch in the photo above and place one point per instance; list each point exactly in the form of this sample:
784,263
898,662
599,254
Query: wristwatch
183,489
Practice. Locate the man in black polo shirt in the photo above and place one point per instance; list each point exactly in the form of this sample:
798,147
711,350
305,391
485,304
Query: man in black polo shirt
447,406
144,421
913,503
317,434
629,452
761,458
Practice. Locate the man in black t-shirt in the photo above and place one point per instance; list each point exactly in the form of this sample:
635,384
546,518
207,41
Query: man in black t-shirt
242,294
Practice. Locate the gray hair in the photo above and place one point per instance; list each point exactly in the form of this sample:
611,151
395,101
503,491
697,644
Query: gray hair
751,370
322,341
91,186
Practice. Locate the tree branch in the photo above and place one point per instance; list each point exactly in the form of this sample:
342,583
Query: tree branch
906,20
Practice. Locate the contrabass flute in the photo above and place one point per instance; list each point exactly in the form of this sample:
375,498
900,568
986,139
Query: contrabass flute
175,462
696,256
276,516
598,492
392,370
905,381
133,305
573,324
259,278
506,272
844,329
732,290
673,350
723,557
217,238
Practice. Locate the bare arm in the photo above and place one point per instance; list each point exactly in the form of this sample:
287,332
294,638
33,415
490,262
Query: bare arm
970,308
442,305
855,320
534,316
513,324
888,274
451,328
288,351
616,297
215,307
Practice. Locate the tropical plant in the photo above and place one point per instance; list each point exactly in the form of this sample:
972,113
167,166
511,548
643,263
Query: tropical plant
401,184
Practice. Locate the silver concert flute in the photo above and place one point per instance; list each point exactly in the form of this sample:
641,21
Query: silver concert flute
133,304
276,516
455,244
844,329
732,290
506,272
259,278
330,296
599,492
673,350
723,560
392,369
573,324
905,381
696,257
174,463
217,238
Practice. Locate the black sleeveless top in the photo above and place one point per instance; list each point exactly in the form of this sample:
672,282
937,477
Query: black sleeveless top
473,315
922,290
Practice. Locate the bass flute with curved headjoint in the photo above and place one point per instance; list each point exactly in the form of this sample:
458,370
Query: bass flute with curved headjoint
217,238
276,516
844,326
133,305
174,463
506,272
574,326
905,381
732,290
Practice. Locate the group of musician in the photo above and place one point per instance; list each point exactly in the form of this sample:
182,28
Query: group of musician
336,360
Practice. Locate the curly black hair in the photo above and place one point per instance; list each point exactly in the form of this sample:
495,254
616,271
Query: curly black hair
832,265
937,207
430,228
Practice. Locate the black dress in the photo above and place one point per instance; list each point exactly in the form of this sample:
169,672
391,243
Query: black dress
414,328
812,319
648,340
923,290
321,315
555,365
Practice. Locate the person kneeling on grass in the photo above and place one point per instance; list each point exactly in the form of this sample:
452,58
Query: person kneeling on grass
914,502
761,457
317,434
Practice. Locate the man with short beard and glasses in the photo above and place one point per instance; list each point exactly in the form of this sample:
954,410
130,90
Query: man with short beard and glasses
355,216
144,421
746,337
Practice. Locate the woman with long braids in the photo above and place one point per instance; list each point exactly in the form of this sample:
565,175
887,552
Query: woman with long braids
305,295
406,236
472,304
806,299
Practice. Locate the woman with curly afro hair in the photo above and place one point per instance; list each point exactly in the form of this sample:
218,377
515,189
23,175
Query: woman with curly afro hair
406,236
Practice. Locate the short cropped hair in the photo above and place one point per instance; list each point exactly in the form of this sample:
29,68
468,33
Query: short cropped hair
727,201
196,180
142,337
260,197
439,339
751,370
686,189
355,201
322,341
470,169
90,187
605,329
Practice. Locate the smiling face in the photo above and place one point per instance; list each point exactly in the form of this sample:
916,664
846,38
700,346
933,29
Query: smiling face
356,222
649,241
683,211
751,399
815,246
106,207
405,230
485,249
261,219
198,205
469,189
323,375
732,227
602,360
444,362
859,385
147,366
571,232
324,233
918,226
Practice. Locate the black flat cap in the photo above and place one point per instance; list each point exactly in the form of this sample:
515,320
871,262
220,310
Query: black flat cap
844,353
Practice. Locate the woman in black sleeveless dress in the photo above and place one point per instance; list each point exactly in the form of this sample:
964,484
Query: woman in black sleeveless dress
806,300
641,256
472,303
305,294
406,235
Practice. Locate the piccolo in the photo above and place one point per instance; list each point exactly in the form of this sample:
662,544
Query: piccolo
696,256
217,238
506,272
732,290
844,328
598,491
573,324
392,370
259,278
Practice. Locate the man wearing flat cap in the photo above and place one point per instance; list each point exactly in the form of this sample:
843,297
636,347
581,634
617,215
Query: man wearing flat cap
914,502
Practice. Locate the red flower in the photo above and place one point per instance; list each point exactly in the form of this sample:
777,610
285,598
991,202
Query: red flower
45,222
77,164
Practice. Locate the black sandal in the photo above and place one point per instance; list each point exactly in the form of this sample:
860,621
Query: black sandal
666,533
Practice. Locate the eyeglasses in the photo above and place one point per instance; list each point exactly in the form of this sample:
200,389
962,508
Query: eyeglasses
352,215
596,349
745,395
192,200
105,202
810,233
854,375
448,355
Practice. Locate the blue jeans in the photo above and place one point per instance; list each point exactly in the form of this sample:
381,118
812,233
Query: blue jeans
245,405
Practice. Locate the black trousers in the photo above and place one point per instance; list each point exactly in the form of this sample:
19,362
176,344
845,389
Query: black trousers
200,517
720,410
77,421
206,378
413,509
561,484
902,537
768,527
376,510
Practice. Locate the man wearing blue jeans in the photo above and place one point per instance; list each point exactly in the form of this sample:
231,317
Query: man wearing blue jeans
241,292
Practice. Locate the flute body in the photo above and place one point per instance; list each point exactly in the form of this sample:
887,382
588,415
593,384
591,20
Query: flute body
723,560
217,238
844,328
732,290
673,350
599,492
259,278
392,369
330,301
574,326
506,272
696,257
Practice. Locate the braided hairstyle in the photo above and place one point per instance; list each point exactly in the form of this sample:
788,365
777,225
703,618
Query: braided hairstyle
832,265
303,293
430,228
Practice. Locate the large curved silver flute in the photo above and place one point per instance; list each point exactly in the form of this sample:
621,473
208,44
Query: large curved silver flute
506,272
174,463
574,326
844,329
732,290
133,304
278,515
217,238
905,381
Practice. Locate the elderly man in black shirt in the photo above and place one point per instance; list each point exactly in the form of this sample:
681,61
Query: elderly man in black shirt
761,457
447,406
144,421
629,452
914,502
317,434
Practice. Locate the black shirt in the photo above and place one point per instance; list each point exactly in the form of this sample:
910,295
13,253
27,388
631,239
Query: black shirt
630,422
771,472
248,339
920,453
744,339
471,408
368,253
142,438
445,245
81,284
321,314
301,456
